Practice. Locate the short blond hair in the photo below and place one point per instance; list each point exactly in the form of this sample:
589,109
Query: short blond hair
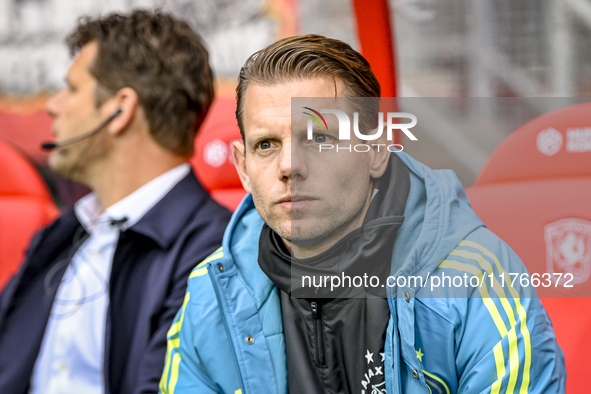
309,56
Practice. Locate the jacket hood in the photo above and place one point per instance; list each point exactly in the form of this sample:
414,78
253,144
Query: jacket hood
437,217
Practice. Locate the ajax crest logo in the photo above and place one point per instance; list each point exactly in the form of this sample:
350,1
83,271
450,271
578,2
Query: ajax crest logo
568,248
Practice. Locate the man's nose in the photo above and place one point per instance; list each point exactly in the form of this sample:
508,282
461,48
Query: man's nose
291,163
52,105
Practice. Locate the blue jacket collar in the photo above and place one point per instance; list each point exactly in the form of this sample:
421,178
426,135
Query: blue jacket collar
441,219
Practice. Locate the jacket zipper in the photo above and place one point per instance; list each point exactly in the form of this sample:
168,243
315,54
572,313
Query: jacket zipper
320,356
220,303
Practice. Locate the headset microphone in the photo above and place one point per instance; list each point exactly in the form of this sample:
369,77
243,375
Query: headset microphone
53,145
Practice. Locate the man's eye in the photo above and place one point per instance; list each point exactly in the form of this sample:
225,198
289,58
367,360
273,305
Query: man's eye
265,145
320,138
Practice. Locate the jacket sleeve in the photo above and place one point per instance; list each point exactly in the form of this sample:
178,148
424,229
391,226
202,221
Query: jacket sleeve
6,295
10,287
182,372
507,343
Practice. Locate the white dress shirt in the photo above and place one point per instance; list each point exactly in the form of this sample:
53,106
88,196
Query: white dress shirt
71,355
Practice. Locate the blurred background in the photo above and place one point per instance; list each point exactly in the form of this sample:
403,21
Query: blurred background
446,48
473,71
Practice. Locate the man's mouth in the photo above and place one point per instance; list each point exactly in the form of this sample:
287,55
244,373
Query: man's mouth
295,202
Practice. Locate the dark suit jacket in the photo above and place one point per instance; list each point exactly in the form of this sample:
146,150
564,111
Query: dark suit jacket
151,264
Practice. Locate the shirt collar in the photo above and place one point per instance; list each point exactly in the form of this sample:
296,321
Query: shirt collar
134,206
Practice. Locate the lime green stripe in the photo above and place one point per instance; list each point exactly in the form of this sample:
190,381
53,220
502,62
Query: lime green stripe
174,376
492,309
199,272
437,379
495,284
513,360
500,362
511,336
172,345
488,302
164,379
520,310
176,327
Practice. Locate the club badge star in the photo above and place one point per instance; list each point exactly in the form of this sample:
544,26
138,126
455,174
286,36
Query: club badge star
369,356
419,354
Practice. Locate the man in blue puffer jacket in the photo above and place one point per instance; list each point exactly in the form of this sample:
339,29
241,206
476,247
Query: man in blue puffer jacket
249,324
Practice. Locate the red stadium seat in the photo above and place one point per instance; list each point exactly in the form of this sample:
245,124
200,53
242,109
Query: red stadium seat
25,207
535,193
212,160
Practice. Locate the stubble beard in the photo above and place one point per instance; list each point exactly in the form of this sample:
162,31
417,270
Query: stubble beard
305,235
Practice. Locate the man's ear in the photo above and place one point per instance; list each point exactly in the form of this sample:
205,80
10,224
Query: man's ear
239,157
380,157
127,100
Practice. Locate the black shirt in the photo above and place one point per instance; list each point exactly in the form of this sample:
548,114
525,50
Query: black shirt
335,338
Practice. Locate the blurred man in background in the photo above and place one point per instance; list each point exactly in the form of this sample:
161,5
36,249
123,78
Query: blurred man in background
89,310
363,213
